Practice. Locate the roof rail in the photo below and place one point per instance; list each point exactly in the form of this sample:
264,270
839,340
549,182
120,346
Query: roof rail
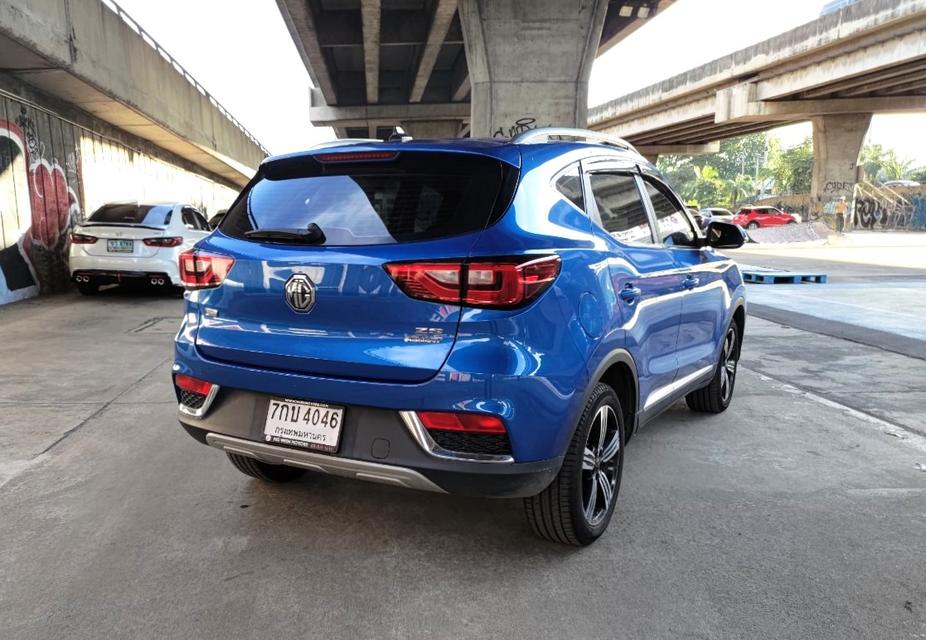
543,134
343,141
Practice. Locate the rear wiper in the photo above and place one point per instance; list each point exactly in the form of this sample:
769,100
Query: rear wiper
310,235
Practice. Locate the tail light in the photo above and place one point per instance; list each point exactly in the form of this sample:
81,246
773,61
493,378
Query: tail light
81,238
500,283
191,384
465,422
200,270
168,241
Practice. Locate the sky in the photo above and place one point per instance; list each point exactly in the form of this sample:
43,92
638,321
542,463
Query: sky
242,53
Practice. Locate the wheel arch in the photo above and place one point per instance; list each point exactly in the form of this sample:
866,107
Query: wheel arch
619,371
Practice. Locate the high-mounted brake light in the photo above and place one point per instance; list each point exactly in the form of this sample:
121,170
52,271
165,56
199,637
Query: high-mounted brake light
467,422
356,156
200,270
500,283
168,241
191,384
82,238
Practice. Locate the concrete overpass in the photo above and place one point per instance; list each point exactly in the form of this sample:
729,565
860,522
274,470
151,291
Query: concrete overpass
836,71
443,68
92,55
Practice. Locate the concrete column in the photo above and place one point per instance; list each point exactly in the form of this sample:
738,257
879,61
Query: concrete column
529,62
435,129
837,142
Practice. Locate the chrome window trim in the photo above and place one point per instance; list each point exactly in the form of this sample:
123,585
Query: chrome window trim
420,435
199,413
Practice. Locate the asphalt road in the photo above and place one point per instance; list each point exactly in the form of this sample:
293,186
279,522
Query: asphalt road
798,513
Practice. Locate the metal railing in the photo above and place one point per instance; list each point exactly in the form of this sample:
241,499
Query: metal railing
137,28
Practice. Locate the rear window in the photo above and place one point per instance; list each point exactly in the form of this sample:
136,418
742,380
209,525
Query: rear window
129,213
415,196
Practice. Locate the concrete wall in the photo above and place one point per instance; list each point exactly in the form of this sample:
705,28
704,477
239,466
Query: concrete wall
56,166
867,211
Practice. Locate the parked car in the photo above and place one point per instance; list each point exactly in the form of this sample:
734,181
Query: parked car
755,217
475,317
715,214
129,242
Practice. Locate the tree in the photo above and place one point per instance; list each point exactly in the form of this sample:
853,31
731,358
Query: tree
741,186
792,169
883,164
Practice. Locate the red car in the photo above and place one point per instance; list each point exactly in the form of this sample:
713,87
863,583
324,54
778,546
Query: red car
755,217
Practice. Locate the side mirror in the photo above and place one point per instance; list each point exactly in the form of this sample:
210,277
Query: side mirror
724,235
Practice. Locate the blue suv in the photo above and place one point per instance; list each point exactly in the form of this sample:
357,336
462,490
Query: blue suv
481,317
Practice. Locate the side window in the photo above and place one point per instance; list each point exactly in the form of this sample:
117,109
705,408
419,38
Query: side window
201,221
620,205
569,183
673,225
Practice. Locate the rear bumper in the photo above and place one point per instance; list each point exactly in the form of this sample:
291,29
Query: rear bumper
115,269
375,445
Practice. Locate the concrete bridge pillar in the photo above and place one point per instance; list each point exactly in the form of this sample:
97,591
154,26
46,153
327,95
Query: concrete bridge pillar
432,129
529,62
837,142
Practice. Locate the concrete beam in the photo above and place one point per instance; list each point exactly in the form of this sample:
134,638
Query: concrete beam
301,25
370,11
817,53
360,116
443,16
656,150
739,104
432,129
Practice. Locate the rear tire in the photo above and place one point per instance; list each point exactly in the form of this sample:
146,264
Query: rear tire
88,288
717,395
577,506
752,225
264,471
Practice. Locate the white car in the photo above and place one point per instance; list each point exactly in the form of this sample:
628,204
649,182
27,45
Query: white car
127,242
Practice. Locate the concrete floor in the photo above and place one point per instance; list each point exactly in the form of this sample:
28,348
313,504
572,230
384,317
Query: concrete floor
798,513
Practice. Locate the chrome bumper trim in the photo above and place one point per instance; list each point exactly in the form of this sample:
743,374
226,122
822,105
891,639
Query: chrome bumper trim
324,463
199,413
426,442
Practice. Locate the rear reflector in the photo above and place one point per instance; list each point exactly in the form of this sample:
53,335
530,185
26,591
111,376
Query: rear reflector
467,422
200,270
501,283
168,241
356,156
80,238
191,384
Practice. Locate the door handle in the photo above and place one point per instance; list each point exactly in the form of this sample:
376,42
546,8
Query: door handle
690,282
630,293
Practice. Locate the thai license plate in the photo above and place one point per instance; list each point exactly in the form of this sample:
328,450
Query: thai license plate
120,246
311,425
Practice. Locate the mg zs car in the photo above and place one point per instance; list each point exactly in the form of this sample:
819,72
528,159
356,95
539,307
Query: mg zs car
491,318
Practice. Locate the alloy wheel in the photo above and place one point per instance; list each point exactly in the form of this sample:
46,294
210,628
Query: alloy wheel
728,365
600,465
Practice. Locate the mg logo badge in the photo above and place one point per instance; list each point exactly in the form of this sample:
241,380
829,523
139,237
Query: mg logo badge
300,293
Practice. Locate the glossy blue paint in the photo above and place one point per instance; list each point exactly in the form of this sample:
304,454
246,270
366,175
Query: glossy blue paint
532,366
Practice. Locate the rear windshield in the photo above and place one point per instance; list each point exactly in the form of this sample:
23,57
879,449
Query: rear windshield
129,213
413,196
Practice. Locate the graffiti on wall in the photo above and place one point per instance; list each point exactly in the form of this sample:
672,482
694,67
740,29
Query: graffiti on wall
903,209
39,201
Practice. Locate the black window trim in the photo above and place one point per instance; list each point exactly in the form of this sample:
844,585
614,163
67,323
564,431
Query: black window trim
651,211
582,182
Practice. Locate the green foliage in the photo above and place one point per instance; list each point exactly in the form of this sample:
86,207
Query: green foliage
719,179
882,164
791,169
